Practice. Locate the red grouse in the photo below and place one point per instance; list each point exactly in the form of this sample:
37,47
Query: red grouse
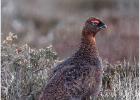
79,77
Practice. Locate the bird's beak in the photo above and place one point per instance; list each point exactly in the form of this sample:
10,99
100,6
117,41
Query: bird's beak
102,26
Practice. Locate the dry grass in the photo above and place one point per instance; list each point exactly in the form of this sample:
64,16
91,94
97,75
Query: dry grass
25,72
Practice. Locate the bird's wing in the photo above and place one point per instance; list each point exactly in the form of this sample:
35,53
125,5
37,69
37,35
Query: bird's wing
76,79
62,64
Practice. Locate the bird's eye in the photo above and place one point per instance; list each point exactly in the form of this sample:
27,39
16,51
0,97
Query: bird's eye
95,22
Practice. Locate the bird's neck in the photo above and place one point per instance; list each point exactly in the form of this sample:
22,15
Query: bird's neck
88,43
88,46
87,50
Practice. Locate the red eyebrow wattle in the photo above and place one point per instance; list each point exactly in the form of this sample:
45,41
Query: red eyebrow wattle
95,21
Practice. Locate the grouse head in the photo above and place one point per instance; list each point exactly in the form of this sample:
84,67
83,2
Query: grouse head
93,25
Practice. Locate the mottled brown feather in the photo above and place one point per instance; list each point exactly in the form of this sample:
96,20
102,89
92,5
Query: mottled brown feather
78,77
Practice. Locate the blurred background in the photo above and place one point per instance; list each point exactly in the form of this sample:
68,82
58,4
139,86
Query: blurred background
41,23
